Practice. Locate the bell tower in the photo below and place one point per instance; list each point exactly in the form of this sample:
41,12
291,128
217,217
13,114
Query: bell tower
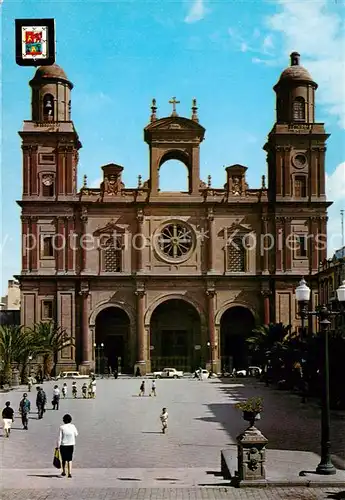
50,142
297,144
296,148
174,138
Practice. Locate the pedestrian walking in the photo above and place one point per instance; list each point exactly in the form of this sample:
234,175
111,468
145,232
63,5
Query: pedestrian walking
7,418
164,419
24,410
93,387
74,389
41,400
153,388
64,390
142,388
56,397
84,390
66,442
90,390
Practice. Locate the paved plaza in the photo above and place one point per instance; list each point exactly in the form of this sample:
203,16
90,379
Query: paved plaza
121,452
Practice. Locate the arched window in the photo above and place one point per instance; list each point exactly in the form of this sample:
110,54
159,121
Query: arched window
48,107
298,110
300,186
236,258
173,176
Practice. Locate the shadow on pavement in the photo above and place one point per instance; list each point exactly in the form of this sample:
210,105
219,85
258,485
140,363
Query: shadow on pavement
340,495
45,475
287,424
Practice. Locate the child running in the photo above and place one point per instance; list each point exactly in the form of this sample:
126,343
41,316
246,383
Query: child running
164,419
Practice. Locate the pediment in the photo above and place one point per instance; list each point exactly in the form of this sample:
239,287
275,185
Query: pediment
109,228
175,124
239,228
236,168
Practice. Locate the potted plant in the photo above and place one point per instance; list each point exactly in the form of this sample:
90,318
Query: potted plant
251,408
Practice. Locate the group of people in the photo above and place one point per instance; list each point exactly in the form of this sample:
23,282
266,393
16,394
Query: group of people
153,389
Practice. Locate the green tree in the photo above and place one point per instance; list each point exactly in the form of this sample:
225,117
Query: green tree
269,340
13,345
50,339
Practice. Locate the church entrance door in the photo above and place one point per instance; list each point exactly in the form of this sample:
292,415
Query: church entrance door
236,325
111,341
175,331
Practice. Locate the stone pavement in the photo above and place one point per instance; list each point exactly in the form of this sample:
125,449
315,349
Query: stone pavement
121,453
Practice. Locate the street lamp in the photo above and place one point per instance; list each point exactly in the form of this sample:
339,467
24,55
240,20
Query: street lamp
98,350
325,467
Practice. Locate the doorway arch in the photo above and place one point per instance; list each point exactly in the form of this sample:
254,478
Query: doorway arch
175,336
236,324
112,340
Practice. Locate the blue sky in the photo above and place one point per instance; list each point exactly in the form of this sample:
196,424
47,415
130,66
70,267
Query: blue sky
227,54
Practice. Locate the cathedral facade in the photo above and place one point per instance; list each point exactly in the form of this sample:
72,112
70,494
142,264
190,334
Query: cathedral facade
144,278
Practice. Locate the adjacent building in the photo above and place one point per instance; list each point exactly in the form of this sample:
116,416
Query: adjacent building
148,278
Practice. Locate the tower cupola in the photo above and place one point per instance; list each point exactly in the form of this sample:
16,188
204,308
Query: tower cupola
51,100
295,92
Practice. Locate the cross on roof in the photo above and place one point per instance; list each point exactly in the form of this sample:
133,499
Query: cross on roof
174,102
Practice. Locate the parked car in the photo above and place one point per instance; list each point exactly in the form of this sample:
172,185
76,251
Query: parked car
251,371
71,375
168,373
203,374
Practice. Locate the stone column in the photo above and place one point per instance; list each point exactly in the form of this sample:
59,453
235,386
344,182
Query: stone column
26,241
85,341
211,240
139,240
265,242
141,357
82,247
287,247
37,247
267,308
213,351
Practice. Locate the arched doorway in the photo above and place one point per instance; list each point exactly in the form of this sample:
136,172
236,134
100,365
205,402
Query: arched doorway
111,340
236,325
175,336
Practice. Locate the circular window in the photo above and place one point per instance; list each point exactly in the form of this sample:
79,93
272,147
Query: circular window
300,160
175,241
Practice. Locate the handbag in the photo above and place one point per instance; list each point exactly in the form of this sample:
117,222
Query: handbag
56,459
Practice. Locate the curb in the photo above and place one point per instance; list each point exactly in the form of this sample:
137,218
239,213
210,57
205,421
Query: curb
281,483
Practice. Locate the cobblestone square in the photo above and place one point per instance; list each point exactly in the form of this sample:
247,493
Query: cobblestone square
121,449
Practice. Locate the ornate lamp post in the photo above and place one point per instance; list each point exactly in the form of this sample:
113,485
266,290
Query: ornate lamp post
325,467
211,354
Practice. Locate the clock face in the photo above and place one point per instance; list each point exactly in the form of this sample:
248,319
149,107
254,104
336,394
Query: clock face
48,180
299,160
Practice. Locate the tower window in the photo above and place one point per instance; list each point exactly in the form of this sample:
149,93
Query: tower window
48,107
300,188
298,110
48,185
301,246
47,309
47,247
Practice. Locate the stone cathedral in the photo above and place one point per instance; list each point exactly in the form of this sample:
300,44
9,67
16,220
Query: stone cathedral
145,278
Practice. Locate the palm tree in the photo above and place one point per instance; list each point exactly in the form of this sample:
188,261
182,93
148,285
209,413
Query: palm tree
270,340
13,345
50,339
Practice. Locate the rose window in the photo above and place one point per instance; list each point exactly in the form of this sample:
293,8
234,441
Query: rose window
175,241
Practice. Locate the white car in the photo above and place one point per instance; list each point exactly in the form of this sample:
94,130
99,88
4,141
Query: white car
71,375
168,373
203,374
251,371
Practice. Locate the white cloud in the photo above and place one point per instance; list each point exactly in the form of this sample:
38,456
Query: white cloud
268,44
197,12
335,184
299,23
335,188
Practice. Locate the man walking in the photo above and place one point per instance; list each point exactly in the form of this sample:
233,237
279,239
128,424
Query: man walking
24,410
41,400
